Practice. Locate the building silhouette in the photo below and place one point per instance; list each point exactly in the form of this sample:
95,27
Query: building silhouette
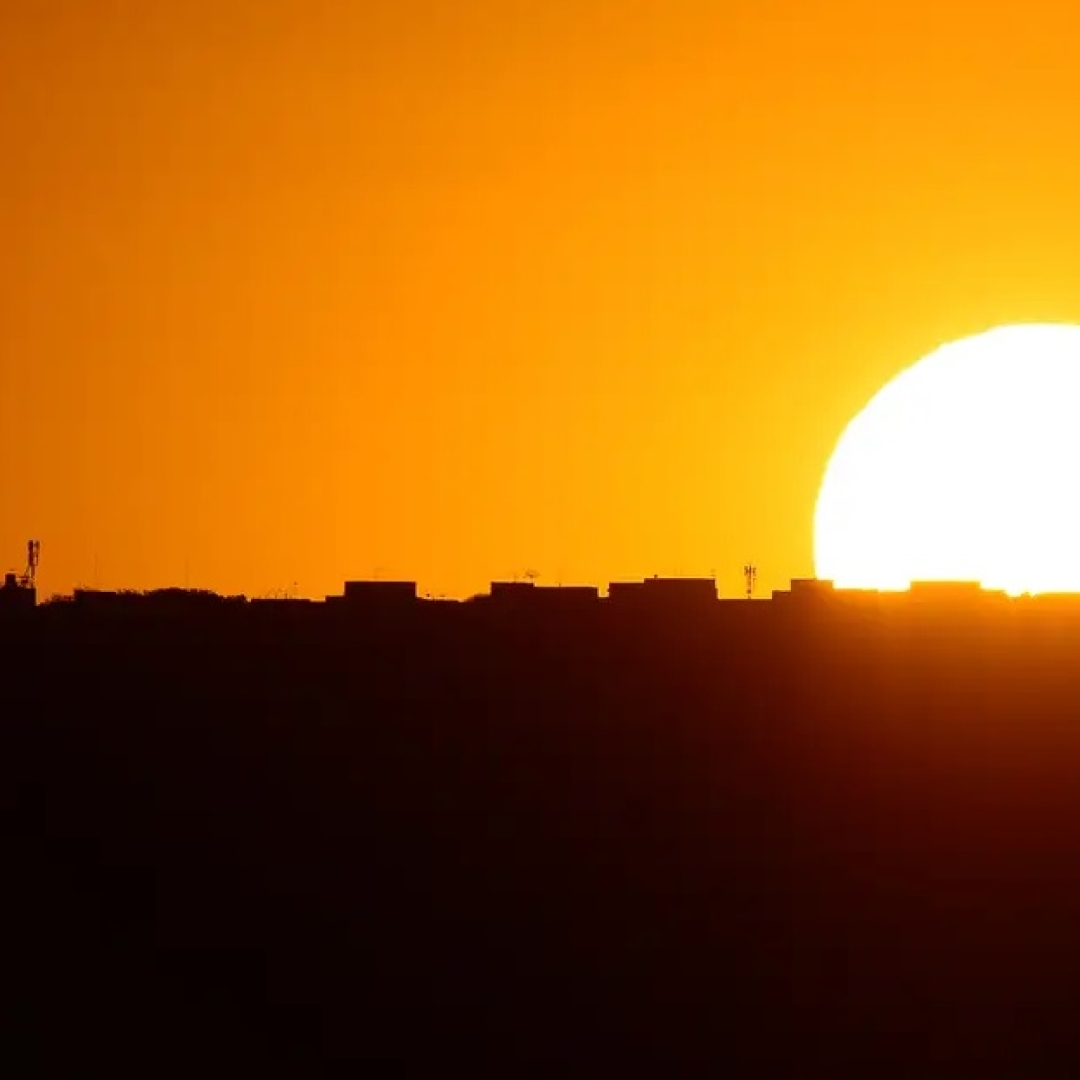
15,596
660,597
379,594
661,821
657,593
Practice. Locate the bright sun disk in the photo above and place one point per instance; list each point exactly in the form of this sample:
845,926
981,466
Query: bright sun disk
965,467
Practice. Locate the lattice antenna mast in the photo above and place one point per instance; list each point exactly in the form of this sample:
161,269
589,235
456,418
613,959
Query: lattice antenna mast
750,574
33,556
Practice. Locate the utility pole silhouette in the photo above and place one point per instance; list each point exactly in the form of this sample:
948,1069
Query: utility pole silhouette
750,574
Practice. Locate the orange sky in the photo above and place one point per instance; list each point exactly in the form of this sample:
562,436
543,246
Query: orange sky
297,289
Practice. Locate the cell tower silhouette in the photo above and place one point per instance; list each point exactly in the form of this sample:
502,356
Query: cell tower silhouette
750,574
33,555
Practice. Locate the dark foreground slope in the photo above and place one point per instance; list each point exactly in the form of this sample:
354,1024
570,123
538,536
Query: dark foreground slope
797,844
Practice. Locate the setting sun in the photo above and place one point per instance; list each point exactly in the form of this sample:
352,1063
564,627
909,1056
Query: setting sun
963,467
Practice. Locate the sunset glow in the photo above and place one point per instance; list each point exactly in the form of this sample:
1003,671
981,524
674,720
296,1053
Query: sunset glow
305,293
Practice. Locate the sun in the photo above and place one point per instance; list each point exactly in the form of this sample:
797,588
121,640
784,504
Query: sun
965,467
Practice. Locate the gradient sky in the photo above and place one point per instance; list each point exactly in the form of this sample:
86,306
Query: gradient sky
296,290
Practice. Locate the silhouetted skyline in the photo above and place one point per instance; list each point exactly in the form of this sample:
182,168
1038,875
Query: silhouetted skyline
660,596
762,837
467,374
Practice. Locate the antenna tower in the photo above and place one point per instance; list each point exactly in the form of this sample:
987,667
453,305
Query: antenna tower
750,574
33,556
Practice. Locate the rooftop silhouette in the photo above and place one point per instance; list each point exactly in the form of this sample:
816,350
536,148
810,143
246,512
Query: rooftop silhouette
698,596
543,823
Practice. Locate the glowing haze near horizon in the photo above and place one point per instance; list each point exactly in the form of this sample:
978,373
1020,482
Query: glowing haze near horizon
295,290
965,468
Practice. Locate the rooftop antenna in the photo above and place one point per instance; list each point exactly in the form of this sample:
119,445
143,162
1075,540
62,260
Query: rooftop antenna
750,574
531,576
33,556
